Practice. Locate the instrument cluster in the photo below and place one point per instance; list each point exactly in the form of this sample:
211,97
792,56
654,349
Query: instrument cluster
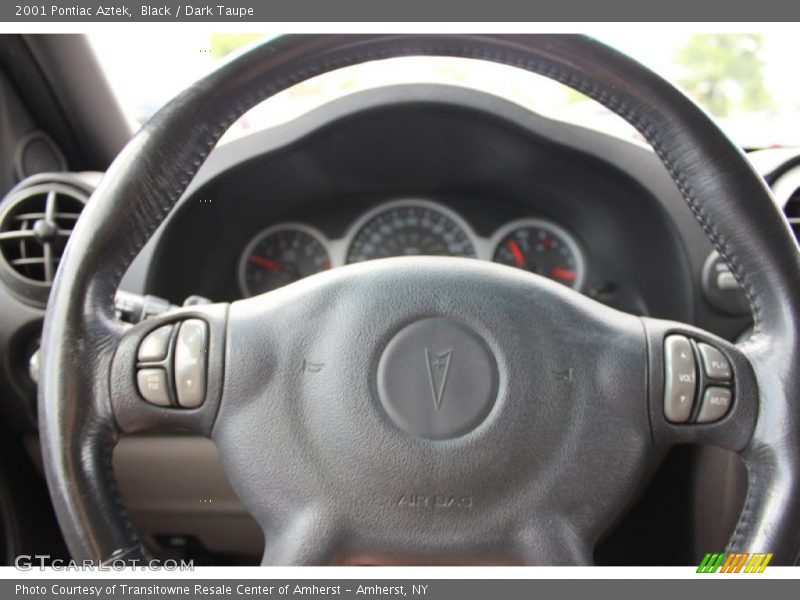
286,252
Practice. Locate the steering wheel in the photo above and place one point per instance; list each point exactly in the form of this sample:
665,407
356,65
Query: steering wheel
423,409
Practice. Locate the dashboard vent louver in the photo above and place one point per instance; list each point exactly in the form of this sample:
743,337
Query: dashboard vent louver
36,220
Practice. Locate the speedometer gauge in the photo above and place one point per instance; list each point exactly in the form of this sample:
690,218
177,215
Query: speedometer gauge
543,248
410,228
281,255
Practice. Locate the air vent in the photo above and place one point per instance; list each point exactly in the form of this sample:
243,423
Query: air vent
36,220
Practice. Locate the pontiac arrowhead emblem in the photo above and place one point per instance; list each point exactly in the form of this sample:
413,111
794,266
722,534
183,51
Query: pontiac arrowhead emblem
438,369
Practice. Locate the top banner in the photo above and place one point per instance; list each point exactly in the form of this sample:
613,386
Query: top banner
271,11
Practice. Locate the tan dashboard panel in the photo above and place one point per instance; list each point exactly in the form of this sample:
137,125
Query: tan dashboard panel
175,486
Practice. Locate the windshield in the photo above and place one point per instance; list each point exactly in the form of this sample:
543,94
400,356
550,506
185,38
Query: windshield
744,79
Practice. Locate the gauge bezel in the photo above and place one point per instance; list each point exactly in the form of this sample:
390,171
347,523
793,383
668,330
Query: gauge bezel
580,260
369,215
271,230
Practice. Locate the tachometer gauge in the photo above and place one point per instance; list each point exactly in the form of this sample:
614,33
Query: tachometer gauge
543,248
281,255
410,228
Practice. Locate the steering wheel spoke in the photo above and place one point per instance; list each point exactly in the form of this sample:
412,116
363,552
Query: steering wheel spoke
702,388
167,371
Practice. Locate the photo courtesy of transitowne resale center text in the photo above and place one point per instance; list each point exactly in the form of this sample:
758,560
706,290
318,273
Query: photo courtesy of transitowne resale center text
414,300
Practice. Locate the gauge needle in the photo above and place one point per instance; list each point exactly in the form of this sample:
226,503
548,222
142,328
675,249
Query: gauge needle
563,274
519,258
272,265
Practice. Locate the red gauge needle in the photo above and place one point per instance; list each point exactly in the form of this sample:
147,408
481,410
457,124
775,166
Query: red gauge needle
519,258
563,274
272,265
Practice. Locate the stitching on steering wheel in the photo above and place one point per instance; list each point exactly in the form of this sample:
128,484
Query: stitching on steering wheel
130,530
747,511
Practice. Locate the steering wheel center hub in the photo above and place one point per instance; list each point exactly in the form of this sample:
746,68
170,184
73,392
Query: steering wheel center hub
437,378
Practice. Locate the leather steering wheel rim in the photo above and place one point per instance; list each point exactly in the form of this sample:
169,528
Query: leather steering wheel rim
78,424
